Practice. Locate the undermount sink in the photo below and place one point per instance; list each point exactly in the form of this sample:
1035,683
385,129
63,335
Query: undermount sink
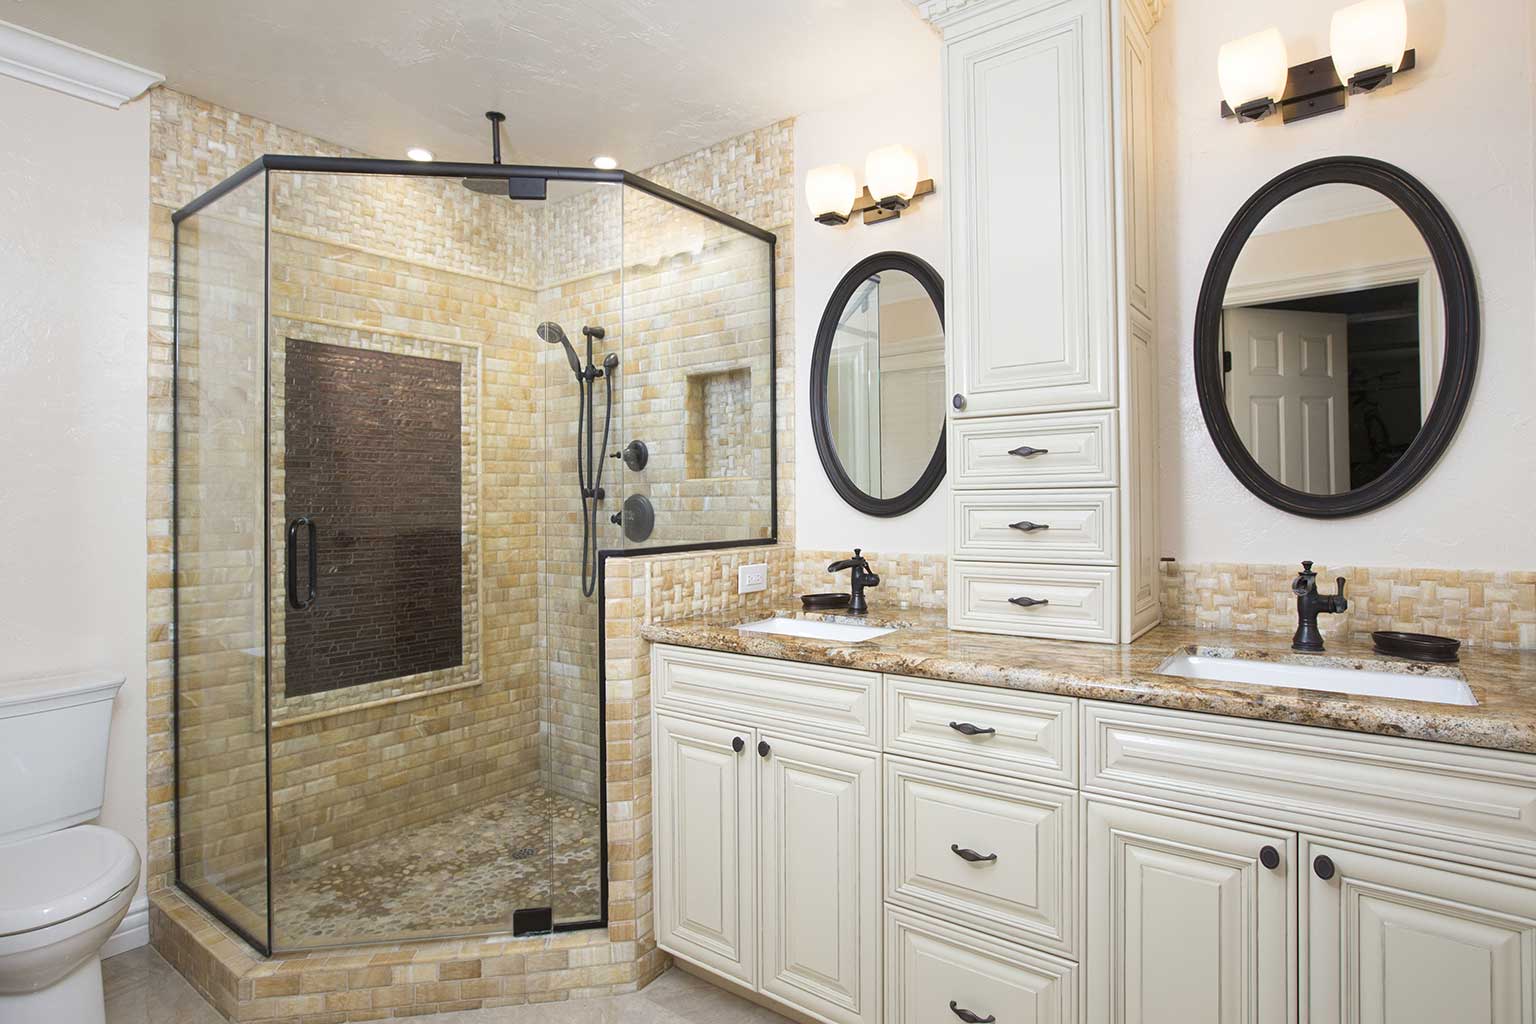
1370,679
816,629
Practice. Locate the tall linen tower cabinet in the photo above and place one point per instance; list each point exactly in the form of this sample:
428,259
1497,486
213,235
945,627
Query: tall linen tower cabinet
1051,353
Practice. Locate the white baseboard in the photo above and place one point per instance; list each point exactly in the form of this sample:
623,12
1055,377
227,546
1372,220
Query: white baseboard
132,933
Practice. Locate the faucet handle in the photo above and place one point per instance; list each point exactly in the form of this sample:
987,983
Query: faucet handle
1306,565
1340,581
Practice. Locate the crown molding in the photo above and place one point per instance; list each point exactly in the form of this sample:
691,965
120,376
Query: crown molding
940,12
60,66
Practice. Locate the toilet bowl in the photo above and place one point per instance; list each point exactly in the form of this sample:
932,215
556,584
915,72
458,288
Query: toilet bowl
64,885
61,897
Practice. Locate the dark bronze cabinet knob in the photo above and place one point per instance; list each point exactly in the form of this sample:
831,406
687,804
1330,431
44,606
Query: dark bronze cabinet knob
1322,866
1269,857
763,748
958,401
738,744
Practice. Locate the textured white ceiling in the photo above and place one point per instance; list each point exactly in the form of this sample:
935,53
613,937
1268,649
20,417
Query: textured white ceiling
642,80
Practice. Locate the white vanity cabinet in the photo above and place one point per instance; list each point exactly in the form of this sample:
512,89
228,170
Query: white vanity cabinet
767,833
918,851
1051,363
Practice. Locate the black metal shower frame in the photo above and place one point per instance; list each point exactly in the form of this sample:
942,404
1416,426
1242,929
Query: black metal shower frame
416,169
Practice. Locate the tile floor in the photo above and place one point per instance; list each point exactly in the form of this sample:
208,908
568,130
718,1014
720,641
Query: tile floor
530,849
143,989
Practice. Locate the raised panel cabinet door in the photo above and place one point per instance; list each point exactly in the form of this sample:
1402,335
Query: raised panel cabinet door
705,844
1186,923
1031,206
820,859
1403,940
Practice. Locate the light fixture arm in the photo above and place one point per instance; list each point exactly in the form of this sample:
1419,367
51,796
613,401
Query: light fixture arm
1314,88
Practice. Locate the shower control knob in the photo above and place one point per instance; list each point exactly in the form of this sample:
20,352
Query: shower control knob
617,519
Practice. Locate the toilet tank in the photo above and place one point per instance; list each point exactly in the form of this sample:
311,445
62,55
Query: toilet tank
53,750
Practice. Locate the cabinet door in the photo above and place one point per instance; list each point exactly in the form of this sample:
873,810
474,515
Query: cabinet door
1030,205
820,857
1402,940
705,845
1186,925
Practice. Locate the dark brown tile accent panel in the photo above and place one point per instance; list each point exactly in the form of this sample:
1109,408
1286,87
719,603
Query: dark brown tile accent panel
371,454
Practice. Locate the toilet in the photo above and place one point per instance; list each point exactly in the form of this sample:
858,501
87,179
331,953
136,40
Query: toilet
64,885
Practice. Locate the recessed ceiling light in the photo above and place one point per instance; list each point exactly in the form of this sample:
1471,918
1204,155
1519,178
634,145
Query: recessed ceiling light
417,153
604,163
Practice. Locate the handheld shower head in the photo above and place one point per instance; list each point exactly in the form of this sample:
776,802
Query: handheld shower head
555,335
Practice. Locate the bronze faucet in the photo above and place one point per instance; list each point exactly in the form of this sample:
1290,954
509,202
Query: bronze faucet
1309,603
862,577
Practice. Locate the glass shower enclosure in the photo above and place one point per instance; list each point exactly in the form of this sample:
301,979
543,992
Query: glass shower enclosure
412,418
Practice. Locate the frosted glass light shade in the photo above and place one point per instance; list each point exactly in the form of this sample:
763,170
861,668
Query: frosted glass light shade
830,189
1368,35
891,171
1253,68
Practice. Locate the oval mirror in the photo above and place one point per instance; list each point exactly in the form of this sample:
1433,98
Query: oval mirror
1336,337
877,384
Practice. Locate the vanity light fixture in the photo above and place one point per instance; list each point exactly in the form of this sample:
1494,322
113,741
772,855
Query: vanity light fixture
420,155
1253,72
834,195
605,163
1369,42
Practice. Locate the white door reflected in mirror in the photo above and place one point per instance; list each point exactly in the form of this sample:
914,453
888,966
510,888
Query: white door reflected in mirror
1332,338
885,383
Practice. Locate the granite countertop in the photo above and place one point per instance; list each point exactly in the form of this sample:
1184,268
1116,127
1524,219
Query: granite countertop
1504,682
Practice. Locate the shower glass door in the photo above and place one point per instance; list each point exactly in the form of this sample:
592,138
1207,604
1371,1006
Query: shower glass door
408,745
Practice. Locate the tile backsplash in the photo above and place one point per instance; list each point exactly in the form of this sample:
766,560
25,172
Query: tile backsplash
1479,608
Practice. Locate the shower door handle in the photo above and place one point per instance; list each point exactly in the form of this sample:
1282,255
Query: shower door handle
294,601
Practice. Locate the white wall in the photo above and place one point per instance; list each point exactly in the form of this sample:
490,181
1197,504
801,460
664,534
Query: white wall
1463,124
844,134
74,285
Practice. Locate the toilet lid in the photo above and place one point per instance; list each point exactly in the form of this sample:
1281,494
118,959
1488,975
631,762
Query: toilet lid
54,877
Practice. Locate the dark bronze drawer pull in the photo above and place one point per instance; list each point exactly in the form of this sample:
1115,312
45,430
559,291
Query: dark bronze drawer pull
1028,527
1322,866
738,744
970,855
1269,857
1024,451
970,730
1028,602
969,1017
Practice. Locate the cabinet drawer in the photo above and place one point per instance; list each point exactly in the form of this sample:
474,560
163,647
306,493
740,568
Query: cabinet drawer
1033,735
1076,603
1024,886
811,700
1436,797
1072,450
931,966
1035,526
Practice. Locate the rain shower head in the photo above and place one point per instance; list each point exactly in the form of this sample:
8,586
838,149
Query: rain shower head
555,335
507,188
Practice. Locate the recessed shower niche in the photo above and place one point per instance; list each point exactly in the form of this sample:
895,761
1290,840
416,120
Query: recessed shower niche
389,693
719,416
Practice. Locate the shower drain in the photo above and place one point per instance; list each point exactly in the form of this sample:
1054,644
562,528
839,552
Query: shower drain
523,852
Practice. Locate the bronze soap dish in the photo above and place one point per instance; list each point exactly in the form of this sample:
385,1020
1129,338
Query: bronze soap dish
1418,646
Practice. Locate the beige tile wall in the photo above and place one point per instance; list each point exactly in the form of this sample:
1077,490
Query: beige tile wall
411,284
1492,609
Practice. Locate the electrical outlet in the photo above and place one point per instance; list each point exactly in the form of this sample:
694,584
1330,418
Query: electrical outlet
751,579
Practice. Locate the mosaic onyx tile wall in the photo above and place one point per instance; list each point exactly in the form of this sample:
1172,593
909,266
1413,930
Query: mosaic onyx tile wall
371,459
425,269
1479,608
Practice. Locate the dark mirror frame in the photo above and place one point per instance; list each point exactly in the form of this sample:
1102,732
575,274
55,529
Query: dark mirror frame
1458,286
821,358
